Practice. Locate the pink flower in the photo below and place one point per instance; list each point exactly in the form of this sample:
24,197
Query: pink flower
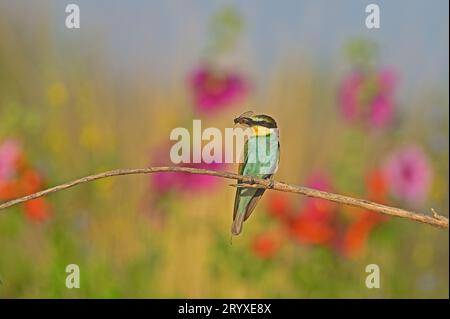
348,95
316,208
368,97
319,180
10,156
213,89
193,182
387,81
381,111
408,174
162,182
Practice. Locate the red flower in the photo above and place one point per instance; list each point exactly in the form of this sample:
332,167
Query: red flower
357,234
37,210
279,206
315,223
377,190
30,182
8,189
355,237
312,226
18,178
265,245
376,186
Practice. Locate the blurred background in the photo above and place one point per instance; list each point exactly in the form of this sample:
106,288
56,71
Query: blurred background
362,112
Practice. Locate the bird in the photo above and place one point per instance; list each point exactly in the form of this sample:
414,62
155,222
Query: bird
260,159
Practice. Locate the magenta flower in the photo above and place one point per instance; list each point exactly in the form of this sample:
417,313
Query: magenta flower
183,182
315,208
319,180
381,111
10,154
348,95
368,97
164,185
214,89
408,174
191,182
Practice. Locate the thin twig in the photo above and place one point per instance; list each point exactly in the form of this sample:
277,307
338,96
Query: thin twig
435,220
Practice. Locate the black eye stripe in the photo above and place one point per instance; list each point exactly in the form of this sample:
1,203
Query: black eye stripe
264,123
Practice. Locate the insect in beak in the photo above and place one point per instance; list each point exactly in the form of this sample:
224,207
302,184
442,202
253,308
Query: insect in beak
242,120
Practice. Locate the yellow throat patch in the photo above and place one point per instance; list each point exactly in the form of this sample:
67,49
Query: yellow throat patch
259,130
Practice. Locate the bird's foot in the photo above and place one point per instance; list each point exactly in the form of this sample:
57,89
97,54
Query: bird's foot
252,181
271,184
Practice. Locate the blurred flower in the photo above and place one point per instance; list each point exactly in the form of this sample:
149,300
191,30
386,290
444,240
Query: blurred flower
279,206
184,182
214,89
357,234
306,228
348,95
315,223
353,240
319,208
18,178
265,245
163,186
30,182
37,210
408,173
377,191
368,97
91,136
57,94
10,157
382,111
376,186
194,182
8,189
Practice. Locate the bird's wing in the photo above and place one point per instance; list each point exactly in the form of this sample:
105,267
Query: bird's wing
244,160
240,172
252,204
254,193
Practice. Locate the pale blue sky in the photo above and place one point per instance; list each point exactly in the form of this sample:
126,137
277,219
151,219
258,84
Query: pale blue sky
159,36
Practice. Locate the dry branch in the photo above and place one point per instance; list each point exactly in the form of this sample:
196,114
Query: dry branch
246,181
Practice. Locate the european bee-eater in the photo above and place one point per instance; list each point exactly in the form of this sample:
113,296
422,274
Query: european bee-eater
260,159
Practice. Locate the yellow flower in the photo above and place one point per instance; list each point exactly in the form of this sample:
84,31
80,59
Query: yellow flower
90,136
57,94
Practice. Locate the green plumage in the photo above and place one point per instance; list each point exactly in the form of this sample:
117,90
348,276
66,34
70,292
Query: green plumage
261,156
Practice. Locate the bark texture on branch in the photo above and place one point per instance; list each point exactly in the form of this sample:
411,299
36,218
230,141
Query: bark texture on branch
246,181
